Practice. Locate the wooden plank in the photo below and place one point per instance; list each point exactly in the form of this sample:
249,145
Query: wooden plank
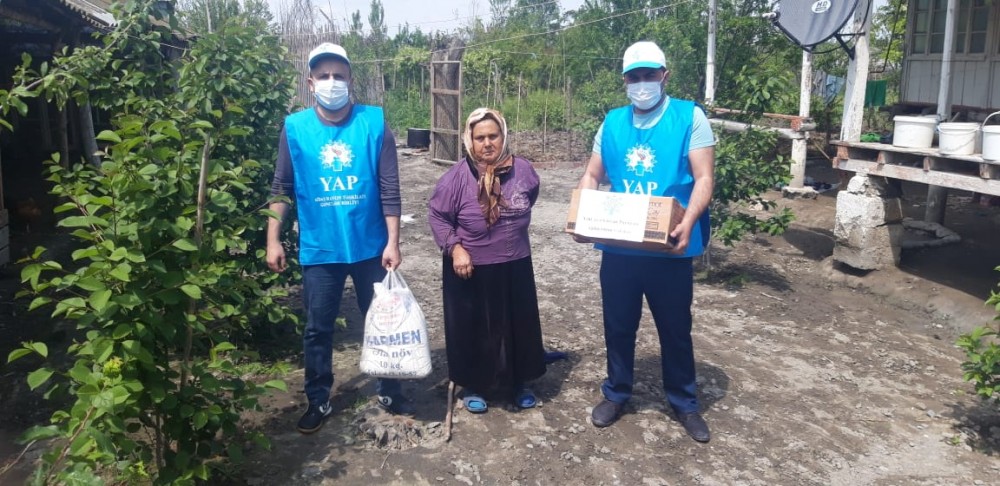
843,152
445,131
988,171
451,92
939,164
914,174
932,152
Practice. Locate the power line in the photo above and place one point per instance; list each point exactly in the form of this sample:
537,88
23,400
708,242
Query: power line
495,41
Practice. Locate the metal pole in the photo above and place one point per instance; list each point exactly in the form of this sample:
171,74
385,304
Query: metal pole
937,196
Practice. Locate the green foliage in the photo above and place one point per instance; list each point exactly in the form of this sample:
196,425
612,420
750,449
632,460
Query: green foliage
594,99
538,109
982,353
168,268
746,166
407,109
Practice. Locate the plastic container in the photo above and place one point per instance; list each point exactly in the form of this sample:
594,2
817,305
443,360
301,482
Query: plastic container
991,140
957,138
418,138
913,131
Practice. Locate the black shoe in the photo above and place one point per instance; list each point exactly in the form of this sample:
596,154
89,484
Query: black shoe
396,404
313,419
606,413
695,426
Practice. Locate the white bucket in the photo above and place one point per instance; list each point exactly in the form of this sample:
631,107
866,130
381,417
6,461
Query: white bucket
991,140
913,131
958,138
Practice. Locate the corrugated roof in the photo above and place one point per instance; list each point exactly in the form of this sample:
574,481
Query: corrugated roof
94,11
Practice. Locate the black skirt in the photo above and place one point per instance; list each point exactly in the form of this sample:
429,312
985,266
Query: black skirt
492,330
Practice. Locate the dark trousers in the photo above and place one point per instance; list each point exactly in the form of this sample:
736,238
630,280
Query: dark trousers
667,284
322,291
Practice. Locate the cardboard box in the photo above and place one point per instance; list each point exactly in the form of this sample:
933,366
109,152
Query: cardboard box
619,216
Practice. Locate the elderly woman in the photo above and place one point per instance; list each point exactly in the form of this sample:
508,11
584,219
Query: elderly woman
479,215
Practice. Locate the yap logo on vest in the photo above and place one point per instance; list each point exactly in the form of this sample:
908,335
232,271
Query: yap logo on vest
336,156
640,159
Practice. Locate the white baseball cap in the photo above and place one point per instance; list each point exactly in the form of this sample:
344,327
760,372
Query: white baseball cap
325,50
643,55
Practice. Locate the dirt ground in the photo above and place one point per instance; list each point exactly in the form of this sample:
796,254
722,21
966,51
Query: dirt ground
808,374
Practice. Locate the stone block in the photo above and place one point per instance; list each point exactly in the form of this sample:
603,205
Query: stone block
789,192
868,227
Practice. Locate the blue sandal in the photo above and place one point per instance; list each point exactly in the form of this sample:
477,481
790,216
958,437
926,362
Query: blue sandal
475,403
526,398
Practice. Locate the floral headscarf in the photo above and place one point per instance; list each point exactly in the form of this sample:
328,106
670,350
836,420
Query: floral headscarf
490,199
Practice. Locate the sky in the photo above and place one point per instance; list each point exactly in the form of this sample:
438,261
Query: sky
429,15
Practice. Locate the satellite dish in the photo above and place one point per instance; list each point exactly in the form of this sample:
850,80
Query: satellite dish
812,22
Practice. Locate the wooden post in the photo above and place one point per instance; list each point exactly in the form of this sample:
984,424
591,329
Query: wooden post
4,230
87,137
857,77
45,123
545,110
517,116
799,145
710,58
569,114
937,196
62,131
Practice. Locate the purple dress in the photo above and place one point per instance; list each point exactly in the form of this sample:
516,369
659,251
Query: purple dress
492,329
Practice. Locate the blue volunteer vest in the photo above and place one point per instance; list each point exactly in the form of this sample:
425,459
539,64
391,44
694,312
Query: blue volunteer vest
653,161
336,186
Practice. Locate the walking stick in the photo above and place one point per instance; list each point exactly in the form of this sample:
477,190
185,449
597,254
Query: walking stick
451,408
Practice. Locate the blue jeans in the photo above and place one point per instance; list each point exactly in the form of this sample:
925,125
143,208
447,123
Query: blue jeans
667,284
322,290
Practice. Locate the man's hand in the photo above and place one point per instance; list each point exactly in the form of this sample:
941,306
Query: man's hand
276,257
461,262
391,257
680,237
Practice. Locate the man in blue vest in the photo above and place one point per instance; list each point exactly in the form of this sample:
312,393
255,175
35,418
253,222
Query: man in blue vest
338,162
661,147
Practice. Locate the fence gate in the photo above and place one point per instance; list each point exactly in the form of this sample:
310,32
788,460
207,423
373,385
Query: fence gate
446,104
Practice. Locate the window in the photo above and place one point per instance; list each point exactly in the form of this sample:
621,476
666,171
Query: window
970,26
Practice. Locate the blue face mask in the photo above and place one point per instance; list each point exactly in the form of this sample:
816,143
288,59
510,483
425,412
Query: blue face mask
332,94
646,94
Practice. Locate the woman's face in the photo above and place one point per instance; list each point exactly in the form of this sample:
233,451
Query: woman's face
487,141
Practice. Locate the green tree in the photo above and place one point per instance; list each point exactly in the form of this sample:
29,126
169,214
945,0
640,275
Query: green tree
208,15
168,269
747,166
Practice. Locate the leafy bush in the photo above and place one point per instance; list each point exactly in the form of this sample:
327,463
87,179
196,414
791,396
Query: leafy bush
746,166
539,109
982,352
593,100
168,266
407,109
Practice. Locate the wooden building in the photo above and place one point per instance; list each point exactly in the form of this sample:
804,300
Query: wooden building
975,62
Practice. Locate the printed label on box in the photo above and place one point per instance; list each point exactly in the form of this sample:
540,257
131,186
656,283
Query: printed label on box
612,215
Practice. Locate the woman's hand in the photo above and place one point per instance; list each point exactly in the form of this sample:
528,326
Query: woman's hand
461,262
